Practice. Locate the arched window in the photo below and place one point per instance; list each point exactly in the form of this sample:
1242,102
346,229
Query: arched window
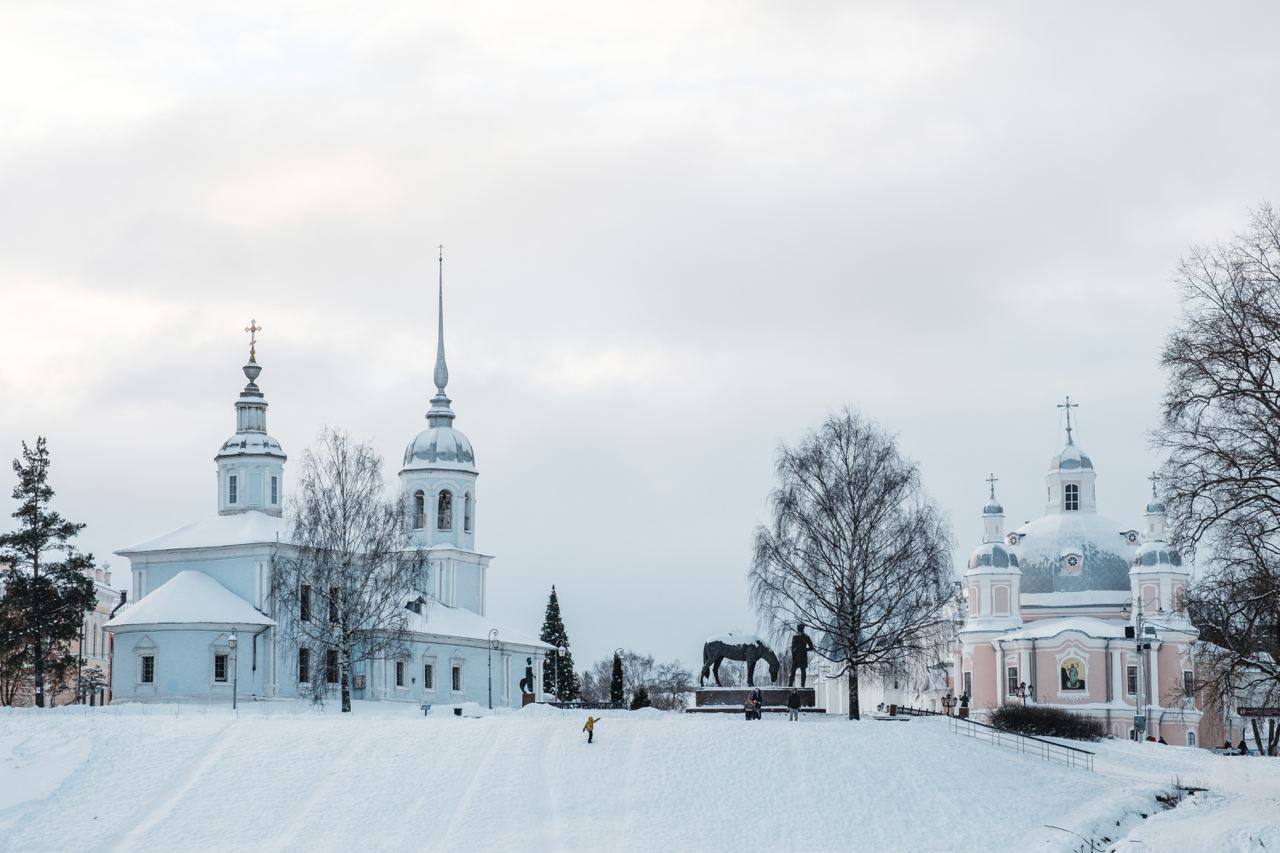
466,512
444,515
1071,497
1191,738
419,510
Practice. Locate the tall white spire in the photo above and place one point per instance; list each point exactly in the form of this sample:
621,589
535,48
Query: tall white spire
440,414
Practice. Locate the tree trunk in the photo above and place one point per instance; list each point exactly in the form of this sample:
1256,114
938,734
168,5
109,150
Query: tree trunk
1257,736
854,712
345,675
37,648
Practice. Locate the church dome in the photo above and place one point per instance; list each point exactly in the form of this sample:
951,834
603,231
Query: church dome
440,447
1072,458
1073,551
250,444
993,556
1156,554
1155,506
993,507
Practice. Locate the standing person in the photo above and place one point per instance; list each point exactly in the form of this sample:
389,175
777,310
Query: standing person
1244,747
748,707
757,701
590,728
793,705
801,645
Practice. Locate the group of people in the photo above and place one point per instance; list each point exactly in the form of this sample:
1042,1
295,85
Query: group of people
753,705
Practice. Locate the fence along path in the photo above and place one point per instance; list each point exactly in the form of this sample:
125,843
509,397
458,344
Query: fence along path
1027,744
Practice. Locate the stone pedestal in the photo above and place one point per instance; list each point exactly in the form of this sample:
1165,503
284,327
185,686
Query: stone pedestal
728,700
527,699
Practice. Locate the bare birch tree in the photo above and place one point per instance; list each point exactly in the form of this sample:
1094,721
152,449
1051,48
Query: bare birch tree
855,550
344,582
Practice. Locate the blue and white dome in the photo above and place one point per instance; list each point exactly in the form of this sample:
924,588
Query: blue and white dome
1153,554
993,556
1072,458
440,447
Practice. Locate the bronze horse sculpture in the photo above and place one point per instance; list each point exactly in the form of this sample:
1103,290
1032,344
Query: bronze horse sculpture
746,648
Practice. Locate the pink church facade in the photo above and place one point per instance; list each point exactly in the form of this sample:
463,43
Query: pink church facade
1077,611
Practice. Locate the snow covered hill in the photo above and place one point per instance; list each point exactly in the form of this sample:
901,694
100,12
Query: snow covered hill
284,777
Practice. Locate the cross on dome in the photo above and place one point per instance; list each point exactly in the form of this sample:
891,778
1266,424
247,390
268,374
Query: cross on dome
1068,405
992,479
253,328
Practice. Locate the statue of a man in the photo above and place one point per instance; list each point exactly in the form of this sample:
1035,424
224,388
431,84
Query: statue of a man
526,683
801,645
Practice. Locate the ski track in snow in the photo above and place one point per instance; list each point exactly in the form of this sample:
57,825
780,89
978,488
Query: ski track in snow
282,777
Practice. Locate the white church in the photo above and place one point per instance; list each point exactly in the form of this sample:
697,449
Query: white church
206,587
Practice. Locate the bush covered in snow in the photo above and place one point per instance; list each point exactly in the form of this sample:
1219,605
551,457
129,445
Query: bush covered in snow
1048,722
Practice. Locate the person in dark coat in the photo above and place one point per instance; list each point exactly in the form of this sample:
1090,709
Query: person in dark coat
749,708
1244,747
801,645
793,705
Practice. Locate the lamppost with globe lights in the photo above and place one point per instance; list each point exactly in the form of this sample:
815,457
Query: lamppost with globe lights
493,644
232,641
1025,691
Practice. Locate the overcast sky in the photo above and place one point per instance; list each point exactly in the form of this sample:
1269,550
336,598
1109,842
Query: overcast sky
674,237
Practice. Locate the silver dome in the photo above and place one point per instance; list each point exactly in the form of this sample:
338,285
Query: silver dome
440,447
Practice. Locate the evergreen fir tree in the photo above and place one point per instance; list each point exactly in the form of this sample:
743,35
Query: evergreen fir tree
45,598
616,692
640,699
566,689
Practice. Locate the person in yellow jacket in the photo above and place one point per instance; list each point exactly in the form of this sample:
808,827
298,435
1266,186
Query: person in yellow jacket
590,728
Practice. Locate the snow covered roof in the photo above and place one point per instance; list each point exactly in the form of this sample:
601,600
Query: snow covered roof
993,557
1072,458
440,447
445,621
1044,628
191,597
1103,545
240,528
1082,598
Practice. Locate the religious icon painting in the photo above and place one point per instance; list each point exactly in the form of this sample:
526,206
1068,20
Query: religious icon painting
1072,673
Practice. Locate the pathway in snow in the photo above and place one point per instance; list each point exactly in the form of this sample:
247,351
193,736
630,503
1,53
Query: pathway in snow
282,777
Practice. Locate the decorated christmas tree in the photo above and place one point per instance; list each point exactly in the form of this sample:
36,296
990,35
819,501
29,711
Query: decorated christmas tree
617,693
558,677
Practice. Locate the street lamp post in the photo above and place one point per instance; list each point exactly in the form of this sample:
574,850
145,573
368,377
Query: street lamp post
232,641
555,673
493,644
1025,691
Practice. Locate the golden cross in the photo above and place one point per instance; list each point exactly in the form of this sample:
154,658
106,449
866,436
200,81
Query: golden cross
253,328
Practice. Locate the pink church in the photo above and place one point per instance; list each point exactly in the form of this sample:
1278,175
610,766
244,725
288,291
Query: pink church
1055,607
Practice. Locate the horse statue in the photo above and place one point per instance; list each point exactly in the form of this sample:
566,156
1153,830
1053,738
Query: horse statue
747,648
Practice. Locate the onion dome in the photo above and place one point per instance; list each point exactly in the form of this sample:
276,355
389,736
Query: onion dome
1072,458
1154,554
993,557
251,438
1155,506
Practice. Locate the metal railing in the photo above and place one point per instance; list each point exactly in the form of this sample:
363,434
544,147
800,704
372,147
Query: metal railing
908,711
1026,744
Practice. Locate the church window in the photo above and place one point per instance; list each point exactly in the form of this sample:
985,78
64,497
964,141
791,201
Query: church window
1011,675
275,490
968,684
148,673
456,675
331,666
333,605
466,512
1188,683
304,666
1071,497
399,673
1131,680
444,515
419,510
231,489
219,667
304,603
428,676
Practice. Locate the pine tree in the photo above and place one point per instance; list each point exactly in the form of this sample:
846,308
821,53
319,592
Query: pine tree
566,688
640,699
45,598
616,690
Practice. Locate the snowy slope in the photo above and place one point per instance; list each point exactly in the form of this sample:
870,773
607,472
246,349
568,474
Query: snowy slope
282,777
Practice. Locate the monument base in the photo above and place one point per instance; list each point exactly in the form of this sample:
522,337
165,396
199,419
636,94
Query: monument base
729,700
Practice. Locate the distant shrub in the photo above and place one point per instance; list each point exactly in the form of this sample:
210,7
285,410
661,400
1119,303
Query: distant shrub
640,699
1047,722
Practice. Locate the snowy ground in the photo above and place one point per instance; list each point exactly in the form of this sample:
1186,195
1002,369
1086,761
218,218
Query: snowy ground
284,777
